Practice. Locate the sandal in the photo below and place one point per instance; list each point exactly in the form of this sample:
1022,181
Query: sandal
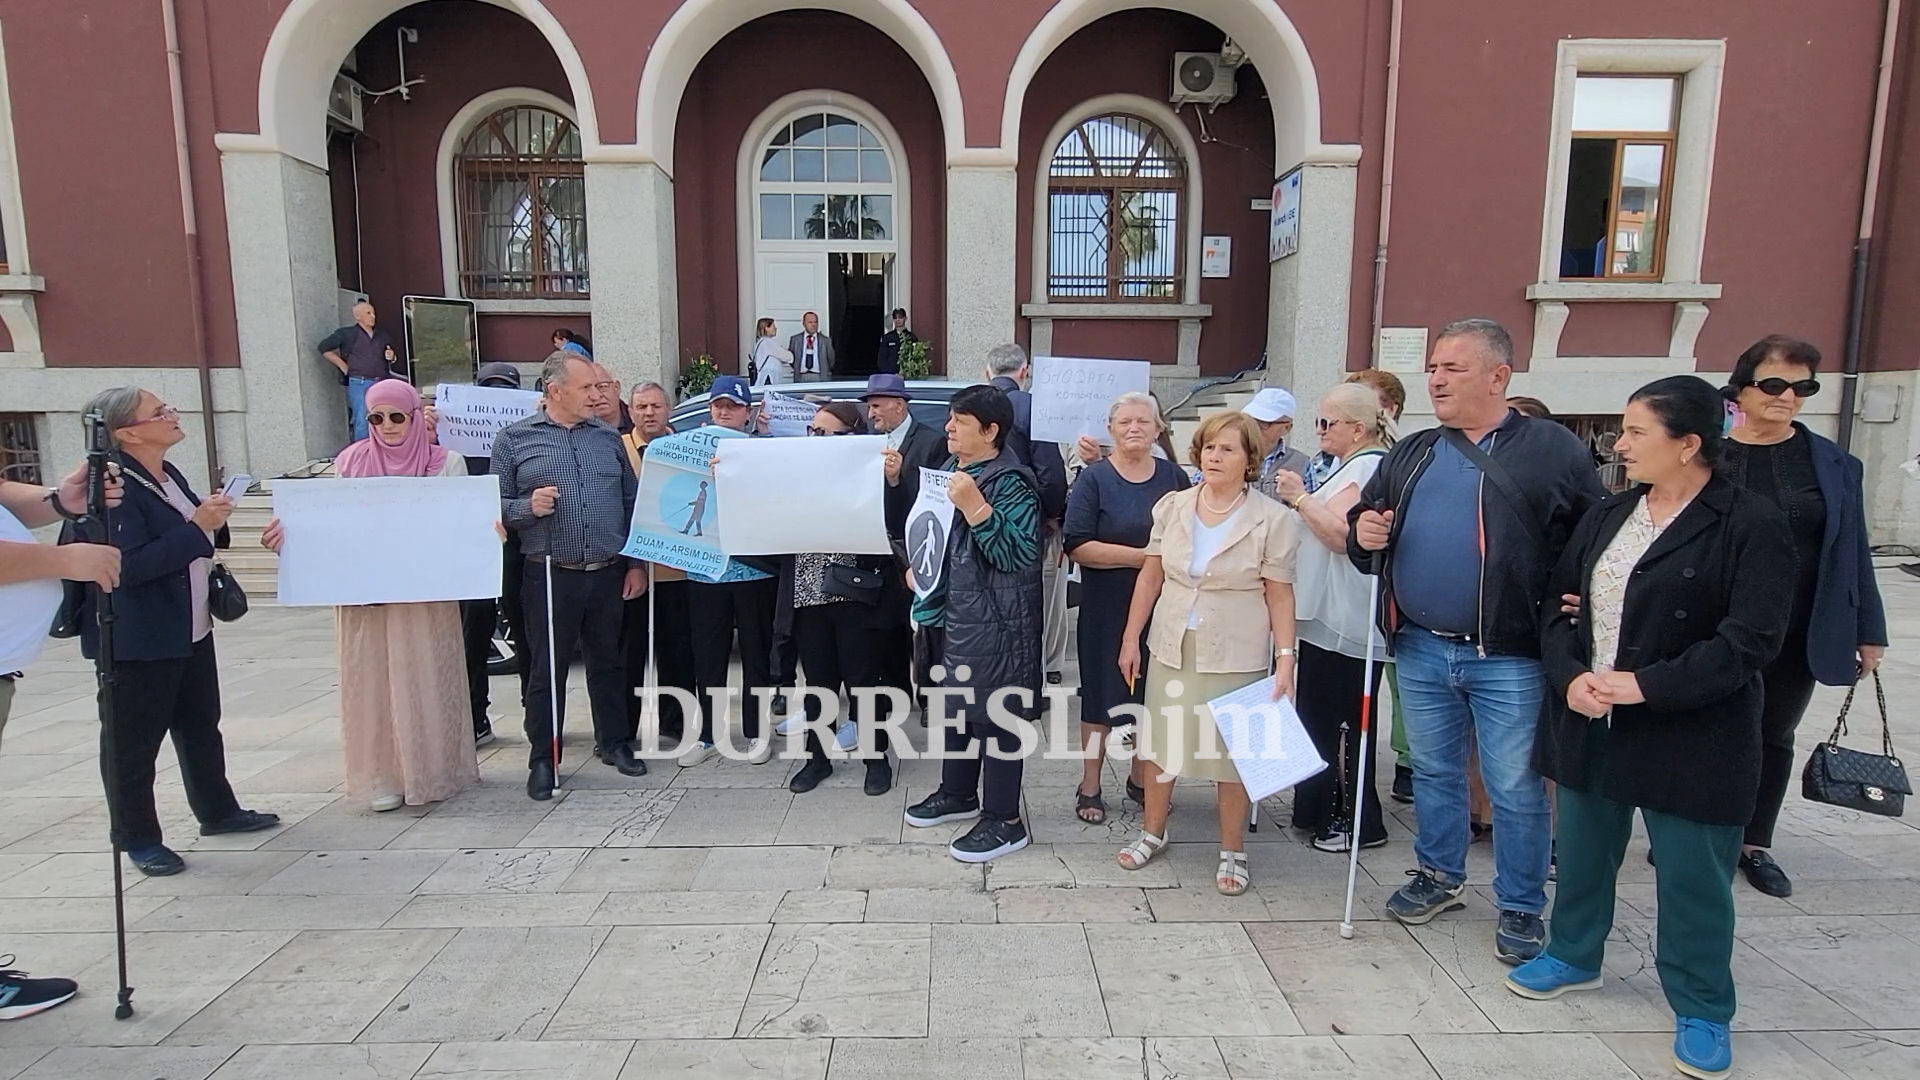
1137,793
1093,802
1137,855
1232,878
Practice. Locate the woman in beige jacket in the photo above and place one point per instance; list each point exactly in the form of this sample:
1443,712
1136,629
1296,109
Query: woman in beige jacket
1218,583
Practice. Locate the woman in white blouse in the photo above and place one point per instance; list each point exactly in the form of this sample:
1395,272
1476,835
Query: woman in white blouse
772,361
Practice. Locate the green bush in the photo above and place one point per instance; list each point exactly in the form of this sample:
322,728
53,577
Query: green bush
914,360
698,379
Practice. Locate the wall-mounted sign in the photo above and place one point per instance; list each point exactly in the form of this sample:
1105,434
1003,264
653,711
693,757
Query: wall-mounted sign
1283,229
1216,256
1402,350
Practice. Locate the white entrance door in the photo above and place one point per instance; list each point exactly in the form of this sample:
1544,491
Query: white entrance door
789,284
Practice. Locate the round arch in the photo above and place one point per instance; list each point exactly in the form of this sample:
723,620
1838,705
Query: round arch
313,36
698,25
470,114
1272,43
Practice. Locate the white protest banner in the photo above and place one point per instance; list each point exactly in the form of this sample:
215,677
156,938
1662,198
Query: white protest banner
786,496
388,539
1269,746
929,524
675,513
1071,396
786,416
466,417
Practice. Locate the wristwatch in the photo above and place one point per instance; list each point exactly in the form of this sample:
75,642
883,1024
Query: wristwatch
1284,650
52,498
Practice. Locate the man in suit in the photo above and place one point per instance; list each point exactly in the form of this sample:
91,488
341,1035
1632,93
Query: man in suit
812,351
1007,368
911,446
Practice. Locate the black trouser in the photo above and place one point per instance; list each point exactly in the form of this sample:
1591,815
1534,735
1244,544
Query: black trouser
784,662
152,700
586,614
477,619
1327,696
1789,688
841,650
716,613
961,773
672,641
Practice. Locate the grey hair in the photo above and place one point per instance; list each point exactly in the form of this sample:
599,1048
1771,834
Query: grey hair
1006,359
119,407
553,370
1359,403
1137,397
1495,343
666,395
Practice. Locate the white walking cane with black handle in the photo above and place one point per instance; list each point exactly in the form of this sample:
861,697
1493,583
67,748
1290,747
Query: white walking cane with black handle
553,675
1366,749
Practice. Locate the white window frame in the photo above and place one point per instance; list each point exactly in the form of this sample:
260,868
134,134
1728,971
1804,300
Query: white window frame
456,133
19,284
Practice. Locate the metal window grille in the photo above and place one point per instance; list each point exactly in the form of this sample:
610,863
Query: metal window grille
19,449
1600,433
521,193
1115,186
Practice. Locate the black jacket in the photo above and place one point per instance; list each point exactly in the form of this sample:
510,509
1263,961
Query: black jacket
993,618
1551,466
153,616
1847,611
1044,459
923,447
1705,610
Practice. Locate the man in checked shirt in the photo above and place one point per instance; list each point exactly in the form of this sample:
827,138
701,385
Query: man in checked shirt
567,490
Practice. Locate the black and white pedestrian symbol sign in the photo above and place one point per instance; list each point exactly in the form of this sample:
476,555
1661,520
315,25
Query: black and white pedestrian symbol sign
929,525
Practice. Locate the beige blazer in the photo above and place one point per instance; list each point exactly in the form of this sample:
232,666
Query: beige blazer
1233,632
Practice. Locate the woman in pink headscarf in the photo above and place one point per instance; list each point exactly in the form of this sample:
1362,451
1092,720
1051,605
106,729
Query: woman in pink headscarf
404,713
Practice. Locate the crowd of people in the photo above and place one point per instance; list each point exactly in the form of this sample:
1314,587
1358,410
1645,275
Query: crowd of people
1582,654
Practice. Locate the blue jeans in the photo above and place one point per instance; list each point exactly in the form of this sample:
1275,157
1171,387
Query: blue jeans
357,405
1448,690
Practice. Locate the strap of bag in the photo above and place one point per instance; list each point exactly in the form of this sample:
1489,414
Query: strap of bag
1886,728
1502,479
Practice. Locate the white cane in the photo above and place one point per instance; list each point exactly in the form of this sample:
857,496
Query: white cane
553,676
1360,780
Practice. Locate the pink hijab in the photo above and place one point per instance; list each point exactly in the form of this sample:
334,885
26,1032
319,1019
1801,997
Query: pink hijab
415,456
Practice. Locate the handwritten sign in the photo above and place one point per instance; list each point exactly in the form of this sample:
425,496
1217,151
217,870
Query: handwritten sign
1071,395
786,416
1269,746
388,539
469,416
676,514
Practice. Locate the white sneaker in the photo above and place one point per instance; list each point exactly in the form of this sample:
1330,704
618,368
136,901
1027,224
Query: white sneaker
848,736
761,753
384,803
790,725
695,754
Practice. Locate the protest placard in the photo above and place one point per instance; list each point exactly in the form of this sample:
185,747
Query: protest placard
788,497
467,417
388,539
786,416
675,513
929,524
1269,746
1071,395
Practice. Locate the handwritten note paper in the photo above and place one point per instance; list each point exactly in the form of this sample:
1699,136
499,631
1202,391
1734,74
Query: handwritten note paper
469,416
786,416
1265,739
388,539
1071,395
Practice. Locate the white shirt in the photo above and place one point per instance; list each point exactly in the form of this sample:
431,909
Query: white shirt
898,436
1329,593
772,363
1207,541
810,353
27,608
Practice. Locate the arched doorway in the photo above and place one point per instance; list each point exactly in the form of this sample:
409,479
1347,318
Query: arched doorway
824,219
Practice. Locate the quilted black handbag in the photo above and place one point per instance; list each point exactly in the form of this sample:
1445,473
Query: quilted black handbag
1852,779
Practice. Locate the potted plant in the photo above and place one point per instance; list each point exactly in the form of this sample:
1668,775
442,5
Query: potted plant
699,376
914,360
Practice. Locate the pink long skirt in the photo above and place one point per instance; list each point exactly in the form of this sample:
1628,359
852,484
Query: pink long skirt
405,717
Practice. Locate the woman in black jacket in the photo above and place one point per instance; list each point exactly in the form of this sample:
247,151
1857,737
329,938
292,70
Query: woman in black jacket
169,680
1654,703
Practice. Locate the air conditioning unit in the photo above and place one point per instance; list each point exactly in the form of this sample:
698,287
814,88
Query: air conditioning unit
346,104
1204,78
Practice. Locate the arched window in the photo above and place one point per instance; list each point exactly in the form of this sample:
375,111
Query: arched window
1114,191
521,196
826,176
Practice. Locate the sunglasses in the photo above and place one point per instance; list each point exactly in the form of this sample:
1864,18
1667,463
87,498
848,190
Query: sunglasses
379,418
1323,424
1802,388
824,431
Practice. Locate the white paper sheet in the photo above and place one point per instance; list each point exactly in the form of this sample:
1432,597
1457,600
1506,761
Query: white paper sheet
1071,395
786,416
388,539
466,417
786,496
929,526
675,515
1264,738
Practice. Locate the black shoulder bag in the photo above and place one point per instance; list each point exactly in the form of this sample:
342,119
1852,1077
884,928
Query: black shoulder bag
1853,779
226,600
1503,480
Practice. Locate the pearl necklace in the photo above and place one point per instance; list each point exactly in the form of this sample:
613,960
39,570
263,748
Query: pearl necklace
1211,509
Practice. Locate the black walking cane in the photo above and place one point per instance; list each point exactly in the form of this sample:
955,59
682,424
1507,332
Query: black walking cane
99,528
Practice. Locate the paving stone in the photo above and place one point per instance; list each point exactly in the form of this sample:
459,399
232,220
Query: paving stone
324,986
391,1061
686,908
221,873
340,873
931,906
1094,905
835,815
1187,979
1537,1057
1379,982
121,1063
839,980
345,912
497,909
1021,980
444,831
1857,962
925,1059
1771,999
714,817
1757,1055
527,1061
1083,1059
489,983
760,868
729,1059
663,982
904,866
1862,1055
508,870
1315,1057
625,818
636,870
1464,950
1185,1059
822,906
64,914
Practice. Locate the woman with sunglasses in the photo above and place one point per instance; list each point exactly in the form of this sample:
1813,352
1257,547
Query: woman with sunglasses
1838,630
841,608
405,718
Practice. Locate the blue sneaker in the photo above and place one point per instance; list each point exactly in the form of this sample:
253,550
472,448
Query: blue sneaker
1702,1048
1543,978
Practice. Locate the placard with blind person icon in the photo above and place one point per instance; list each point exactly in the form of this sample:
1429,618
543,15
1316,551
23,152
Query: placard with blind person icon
929,526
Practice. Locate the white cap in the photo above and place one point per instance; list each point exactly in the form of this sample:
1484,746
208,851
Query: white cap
1270,404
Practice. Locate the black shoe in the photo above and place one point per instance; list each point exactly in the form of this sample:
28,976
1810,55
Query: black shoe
879,776
1053,678
989,839
810,775
157,861
1402,784
620,756
1337,837
940,808
779,705
1765,874
540,781
22,997
1518,937
482,734
241,821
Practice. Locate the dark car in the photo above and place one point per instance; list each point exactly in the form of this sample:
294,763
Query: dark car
928,404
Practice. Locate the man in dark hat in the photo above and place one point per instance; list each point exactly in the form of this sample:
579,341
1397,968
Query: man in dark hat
911,445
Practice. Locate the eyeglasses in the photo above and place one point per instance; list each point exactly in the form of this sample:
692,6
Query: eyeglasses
167,412
1802,388
824,431
396,418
